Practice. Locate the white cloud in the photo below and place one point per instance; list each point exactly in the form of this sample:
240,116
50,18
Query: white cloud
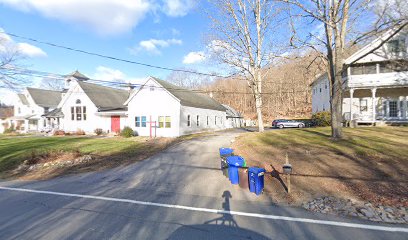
194,57
4,38
25,49
110,74
178,8
106,17
30,50
154,45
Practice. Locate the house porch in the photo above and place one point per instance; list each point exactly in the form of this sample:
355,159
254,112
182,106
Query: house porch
375,106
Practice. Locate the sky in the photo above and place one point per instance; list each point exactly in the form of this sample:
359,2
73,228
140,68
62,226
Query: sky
167,33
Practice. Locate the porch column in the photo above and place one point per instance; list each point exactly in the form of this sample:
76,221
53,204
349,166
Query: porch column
26,125
351,105
374,102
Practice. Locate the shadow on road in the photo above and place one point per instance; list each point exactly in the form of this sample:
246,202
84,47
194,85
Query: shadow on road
226,218
223,227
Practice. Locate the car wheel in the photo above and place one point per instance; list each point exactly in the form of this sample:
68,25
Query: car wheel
280,126
301,125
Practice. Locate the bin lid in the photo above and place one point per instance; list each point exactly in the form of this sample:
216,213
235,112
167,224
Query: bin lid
237,161
256,170
226,151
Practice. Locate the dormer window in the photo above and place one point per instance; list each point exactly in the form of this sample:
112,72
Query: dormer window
78,101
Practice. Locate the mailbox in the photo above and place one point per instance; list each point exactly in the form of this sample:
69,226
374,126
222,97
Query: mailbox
287,168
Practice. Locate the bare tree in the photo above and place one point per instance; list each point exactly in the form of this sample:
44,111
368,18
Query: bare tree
187,79
341,22
9,57
239,31
9,78
52,83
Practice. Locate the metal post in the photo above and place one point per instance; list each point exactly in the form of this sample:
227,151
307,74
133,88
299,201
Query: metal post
288,175
150,124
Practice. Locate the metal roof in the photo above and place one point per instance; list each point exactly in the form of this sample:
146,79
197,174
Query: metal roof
105,98
78,75
232,112
54,113
190,98
45,98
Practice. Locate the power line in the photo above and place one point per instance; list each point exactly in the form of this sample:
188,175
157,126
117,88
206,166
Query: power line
110,57
121,59
61,77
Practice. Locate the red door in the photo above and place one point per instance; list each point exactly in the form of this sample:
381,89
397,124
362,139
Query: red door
115,124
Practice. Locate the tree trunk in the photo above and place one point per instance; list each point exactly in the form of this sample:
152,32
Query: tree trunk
258,98
258,103
337,97
336,112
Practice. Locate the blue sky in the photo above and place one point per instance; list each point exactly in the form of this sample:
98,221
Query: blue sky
166,33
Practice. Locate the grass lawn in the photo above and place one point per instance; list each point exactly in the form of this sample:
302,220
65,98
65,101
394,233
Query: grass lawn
369,164
108,152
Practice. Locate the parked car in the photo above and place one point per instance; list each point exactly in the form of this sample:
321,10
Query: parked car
286,123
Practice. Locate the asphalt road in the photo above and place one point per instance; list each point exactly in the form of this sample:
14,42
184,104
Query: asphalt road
177,194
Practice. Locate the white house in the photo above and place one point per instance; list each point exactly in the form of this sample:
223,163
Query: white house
234,118
159,108
87,106
375,84
31,105
321,94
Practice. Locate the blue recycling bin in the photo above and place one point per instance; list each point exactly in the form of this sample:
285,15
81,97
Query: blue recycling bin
234,162
226,152
256,179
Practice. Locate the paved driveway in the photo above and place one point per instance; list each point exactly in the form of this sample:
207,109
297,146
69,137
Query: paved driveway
177,194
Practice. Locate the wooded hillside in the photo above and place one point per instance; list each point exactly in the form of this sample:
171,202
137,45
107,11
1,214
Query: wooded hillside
286,90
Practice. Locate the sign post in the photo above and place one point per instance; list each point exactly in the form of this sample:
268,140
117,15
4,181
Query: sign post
152,124
287,170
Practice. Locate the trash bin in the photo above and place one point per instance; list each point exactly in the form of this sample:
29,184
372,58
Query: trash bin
256,179
234,162
243,178
224,167
226,152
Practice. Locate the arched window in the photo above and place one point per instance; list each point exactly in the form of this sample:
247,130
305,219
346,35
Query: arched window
78,101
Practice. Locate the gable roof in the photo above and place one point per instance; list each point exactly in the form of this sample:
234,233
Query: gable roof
23,99
375,44
190,98
45,98
54,113
232,112
105,98
78,75
319,78
372,46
